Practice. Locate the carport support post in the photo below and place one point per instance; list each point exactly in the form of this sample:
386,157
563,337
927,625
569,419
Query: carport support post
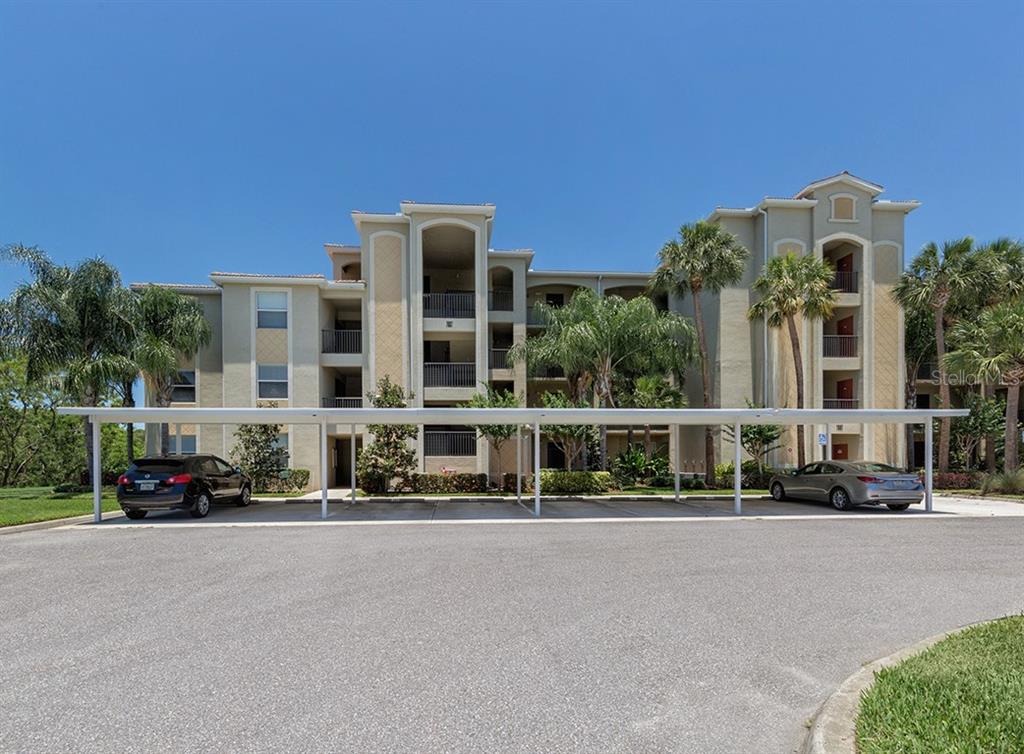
323,468
679,454
536,469
737,499
97,481
928,425
353,464
519,465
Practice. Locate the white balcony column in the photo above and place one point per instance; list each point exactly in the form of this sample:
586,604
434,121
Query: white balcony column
519,465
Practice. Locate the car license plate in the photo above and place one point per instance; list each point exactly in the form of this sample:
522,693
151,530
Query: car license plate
146,486
904,485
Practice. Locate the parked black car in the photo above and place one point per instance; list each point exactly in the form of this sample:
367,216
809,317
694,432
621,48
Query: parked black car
191,483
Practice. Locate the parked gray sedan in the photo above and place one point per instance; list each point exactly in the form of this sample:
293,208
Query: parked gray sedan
849,483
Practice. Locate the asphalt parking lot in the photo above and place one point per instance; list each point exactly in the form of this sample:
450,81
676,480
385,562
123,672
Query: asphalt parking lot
706,635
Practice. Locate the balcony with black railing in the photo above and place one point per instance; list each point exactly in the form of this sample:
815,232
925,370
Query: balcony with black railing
500,359
449,374
840,346
341,341
449,443
841,404
844,281
340,401
449,305
499,300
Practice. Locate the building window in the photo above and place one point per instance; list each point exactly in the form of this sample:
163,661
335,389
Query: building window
272,310
272,380
184,388
188,445
844,207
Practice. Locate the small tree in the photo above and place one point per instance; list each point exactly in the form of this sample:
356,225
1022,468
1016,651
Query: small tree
758,440
576,441
985,420
497,434
654,391
259,454
388,456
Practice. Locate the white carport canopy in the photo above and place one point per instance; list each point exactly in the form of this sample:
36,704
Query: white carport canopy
533,417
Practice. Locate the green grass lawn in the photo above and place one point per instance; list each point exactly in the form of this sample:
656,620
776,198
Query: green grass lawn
25,505
963,695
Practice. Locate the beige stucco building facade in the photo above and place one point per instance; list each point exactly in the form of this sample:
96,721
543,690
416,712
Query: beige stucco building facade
422,298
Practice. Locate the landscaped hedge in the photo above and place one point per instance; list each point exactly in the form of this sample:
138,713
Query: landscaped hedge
956,480
450,483
558,482
293,480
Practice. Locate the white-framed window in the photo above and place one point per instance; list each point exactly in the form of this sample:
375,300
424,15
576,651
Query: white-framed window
272,310
843,208
271,380
188,445
184,388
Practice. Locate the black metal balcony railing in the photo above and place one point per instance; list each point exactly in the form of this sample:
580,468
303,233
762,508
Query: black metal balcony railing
449,443
341,402
499,300
533,317
449,374
841,346
840,403
449,305
341,341
845,281
499,359
549,373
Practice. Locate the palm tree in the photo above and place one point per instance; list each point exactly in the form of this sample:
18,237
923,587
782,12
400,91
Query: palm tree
991,347
706,258
792,286
171,329
601,337
940,280
72,324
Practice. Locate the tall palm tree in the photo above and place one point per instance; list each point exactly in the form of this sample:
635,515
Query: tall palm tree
706,258
602,336
991,347
72,324
940,280
792,286
171,329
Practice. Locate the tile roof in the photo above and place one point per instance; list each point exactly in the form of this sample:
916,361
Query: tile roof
266,275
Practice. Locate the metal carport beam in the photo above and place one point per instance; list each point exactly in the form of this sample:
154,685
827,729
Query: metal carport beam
530,416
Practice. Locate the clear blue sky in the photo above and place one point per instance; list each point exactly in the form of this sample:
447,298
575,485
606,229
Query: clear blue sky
178,139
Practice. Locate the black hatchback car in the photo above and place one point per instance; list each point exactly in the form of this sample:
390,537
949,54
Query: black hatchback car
191,483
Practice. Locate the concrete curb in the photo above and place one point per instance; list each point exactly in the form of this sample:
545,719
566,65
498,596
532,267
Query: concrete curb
512,499
57,522
833,727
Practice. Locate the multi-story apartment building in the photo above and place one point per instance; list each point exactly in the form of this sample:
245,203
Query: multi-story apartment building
423,299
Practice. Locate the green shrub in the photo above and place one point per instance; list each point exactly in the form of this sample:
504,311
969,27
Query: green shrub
508,482
750,476
632,465
663,480
449,483
956,480
287,480
556,482
1008,483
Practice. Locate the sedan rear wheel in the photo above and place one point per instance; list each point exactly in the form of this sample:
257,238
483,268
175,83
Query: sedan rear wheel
840,499
135,513
244,497
778,493
201,507
897,506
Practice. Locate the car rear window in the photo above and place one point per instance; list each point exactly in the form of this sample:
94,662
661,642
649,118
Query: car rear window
157,466
877,468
